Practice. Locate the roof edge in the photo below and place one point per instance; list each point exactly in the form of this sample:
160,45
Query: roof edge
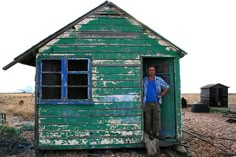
211,85
18,59
50,37
145,26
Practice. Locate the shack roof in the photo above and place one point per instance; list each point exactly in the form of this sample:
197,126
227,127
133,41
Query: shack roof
28,57
212,85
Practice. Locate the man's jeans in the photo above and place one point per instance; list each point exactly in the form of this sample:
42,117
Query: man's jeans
152,118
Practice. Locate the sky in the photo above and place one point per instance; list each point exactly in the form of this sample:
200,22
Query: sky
206,30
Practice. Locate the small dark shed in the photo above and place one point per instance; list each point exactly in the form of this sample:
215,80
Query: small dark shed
215,95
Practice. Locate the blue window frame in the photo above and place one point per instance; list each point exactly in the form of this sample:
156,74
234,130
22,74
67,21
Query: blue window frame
64,80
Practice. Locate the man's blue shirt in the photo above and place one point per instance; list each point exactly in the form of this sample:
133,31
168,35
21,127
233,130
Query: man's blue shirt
151,92
159,84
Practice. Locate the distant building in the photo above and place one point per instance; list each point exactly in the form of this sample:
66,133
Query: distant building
215,95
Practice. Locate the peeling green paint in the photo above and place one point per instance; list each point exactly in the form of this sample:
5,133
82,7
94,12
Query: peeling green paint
117,91
89,134
114,119
91,119
118,62
83,127
116,70
114,83
64,114
178,101
116,77
90,141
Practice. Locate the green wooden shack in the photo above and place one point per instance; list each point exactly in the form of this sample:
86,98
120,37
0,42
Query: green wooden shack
89,82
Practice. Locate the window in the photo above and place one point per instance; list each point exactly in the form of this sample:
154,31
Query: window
51,79
77,79
64,80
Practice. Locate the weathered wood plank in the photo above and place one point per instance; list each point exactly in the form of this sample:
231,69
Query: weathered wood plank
89,134
101,44
83,113
97,55
105,41
128,84
89,141
92,120
115,91
103,126
108,14
108,55
116,70
114,21
103,48
100,146
113,56
112,62
94,106
117,98
101,34
108,11
152,146
113,27
116,77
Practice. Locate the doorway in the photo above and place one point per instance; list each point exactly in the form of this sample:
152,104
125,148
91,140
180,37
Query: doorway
165,70
219,96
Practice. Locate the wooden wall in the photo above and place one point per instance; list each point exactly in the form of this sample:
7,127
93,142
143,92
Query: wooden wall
115,43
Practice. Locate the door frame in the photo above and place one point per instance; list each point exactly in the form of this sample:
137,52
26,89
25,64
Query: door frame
178,133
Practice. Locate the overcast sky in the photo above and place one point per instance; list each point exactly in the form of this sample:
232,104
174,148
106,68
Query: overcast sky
205,29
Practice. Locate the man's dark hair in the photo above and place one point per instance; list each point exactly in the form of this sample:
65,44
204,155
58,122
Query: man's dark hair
152,66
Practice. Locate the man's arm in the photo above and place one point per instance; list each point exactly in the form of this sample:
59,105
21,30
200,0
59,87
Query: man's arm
164,86
163,93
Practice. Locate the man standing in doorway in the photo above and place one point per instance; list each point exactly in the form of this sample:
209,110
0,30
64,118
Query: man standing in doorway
154,89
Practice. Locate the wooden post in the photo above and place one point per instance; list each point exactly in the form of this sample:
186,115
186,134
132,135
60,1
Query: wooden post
152,146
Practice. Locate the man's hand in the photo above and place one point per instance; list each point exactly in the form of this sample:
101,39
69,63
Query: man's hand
163,93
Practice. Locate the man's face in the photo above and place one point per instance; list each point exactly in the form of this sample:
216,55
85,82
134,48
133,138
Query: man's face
151,71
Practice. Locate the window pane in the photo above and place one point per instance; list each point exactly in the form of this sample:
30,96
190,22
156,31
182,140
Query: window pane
51,79
77,79
77,93
162,67
77,65
51,93
51,65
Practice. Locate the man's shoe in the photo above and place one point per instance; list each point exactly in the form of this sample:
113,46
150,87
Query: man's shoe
161,137
151,137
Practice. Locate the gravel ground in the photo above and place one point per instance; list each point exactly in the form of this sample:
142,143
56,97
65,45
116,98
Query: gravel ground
210,134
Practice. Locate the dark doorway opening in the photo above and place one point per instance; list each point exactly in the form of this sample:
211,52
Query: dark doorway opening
165,70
